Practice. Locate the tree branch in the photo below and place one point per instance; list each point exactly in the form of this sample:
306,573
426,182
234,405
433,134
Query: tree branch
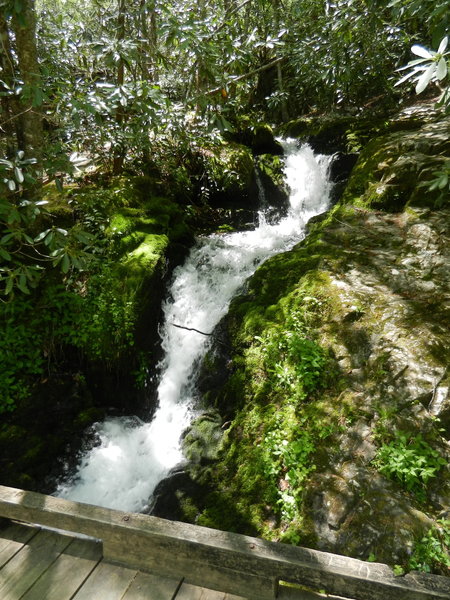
190,329
241,77
218,340
16,116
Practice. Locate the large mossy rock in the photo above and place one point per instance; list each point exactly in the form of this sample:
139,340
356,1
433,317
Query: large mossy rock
338,363
393,169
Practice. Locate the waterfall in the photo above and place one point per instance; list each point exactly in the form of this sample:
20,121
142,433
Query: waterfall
133,456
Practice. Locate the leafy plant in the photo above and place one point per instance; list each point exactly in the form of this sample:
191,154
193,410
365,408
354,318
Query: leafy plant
295,362
440,183
24,251
432,552
288,463
410,460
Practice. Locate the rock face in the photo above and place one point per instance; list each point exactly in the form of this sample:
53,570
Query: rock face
347,453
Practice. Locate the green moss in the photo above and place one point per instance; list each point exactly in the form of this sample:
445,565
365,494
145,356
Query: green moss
393,168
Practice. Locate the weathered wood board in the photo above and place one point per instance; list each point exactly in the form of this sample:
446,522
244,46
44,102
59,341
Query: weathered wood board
68,573
191,592
21,572
107,582
12,539
148,586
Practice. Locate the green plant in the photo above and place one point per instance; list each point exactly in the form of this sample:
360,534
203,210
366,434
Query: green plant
410,460
432,552
295,363
440,183
288,464
24,250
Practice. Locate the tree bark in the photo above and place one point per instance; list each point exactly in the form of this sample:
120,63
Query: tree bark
31,137
8,103
118,149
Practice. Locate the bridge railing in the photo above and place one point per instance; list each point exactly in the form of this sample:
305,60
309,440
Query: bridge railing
229,562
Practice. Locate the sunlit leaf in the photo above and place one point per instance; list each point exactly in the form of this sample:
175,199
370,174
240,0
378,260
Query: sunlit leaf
425,78
441,70
421,51
18,174
443,45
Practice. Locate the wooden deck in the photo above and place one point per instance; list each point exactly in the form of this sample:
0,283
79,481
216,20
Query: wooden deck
138,557
39,564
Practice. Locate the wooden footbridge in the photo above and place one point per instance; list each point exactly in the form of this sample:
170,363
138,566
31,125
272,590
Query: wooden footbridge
45,555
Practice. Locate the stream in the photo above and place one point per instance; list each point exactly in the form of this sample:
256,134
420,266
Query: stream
133,456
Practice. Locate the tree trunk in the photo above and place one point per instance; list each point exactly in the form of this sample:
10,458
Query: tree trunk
8,104
31,138
118,149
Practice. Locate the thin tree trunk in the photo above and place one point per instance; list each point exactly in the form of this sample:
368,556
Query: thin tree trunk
31,129
8,103
284,109
119,150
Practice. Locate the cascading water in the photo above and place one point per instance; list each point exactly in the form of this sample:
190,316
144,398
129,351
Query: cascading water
133,457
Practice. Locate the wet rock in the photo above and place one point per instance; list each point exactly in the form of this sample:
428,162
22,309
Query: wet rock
263,141
176,498
202,441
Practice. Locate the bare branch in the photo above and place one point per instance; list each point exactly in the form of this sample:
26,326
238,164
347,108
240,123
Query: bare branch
190,329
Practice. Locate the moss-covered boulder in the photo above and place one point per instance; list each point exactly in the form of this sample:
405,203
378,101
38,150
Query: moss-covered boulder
264,142
397,169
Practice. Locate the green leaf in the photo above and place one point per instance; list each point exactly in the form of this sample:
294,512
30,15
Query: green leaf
22,284
443,182
4,254
65,264
9,285
7,163
42,235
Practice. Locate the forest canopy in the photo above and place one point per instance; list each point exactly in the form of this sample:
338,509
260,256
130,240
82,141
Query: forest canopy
138,84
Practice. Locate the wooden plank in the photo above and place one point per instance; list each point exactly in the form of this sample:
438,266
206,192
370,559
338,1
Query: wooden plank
226,561
68,573
107,582
12,540
148,586
193,592
20,573
286,593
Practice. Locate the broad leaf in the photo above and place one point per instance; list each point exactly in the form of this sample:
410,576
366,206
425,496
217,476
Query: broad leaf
443,45
441,70
425,78
421,51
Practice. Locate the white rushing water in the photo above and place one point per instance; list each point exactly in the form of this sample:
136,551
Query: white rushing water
133,457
